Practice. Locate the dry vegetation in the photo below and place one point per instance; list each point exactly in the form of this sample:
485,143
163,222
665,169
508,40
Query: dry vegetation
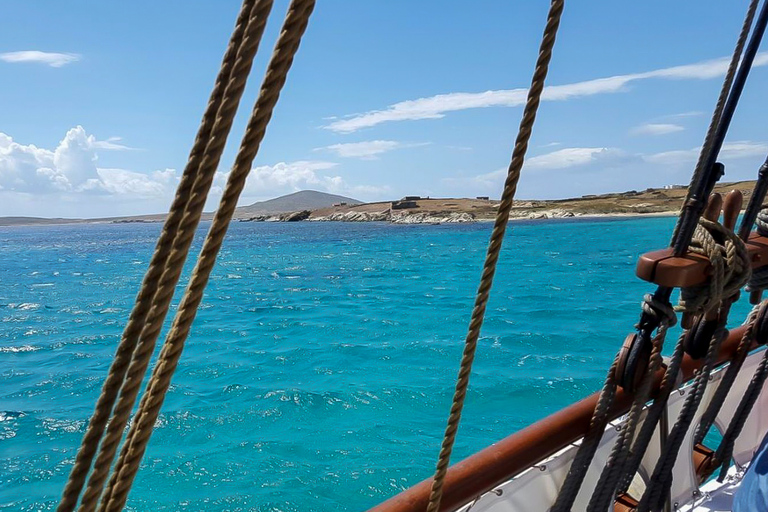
652,200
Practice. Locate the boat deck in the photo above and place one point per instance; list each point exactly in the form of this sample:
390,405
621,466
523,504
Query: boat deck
716,496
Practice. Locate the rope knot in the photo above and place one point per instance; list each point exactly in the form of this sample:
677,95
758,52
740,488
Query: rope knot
660,310
759,280
731,268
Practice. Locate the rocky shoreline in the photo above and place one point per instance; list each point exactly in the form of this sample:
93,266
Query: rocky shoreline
404,217
355,216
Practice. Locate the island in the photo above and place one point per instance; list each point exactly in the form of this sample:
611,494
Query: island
314,206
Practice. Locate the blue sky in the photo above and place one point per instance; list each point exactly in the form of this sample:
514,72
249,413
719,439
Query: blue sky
100,101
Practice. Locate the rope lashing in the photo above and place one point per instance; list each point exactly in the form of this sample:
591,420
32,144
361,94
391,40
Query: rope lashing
704,176
494,248
731,267
660,481
759,279
610,477
731,270
251,9
652,416
707,171
601,415
287,45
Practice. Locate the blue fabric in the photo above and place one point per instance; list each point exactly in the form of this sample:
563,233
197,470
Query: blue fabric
752,495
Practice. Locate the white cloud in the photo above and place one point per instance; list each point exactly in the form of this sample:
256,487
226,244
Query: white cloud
656,129
435,107
267,181
683,115
111,144
571,157
366,150
601,170
71,167
52,59
729,151
67,181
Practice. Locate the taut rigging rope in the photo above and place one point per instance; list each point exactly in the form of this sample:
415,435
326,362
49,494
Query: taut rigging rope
494,248
622,465
157,289
287,45
188,186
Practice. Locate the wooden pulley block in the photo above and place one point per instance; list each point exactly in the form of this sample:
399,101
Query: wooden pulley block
665,269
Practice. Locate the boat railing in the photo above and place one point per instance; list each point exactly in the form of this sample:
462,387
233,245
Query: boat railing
537,457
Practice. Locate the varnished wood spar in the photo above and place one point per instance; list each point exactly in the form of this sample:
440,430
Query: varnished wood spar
501,461
663,268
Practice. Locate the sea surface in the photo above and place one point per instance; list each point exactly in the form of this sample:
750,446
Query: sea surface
319,372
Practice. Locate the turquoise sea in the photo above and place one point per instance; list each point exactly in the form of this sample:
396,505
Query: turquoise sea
319,372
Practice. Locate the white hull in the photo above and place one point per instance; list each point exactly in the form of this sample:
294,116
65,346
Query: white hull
535,490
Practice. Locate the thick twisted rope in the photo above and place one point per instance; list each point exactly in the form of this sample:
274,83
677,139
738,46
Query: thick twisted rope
180,248
494,248
611,475
729,377
724,452
731,270
731,267
119,367
601,415
287,45
759,280
709,138
661,479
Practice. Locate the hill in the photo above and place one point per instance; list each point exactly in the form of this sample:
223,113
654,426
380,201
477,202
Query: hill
324,206
303,200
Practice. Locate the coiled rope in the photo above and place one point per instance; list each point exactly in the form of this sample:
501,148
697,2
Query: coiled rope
731,270
759,280
731,267
494,248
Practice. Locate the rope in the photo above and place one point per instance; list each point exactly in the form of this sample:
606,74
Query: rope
652,416
731,269
726,383
494,248
709,138
612,472
659,484
180,248
295,24
149,286
724,452
601,415
585,454
759,280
